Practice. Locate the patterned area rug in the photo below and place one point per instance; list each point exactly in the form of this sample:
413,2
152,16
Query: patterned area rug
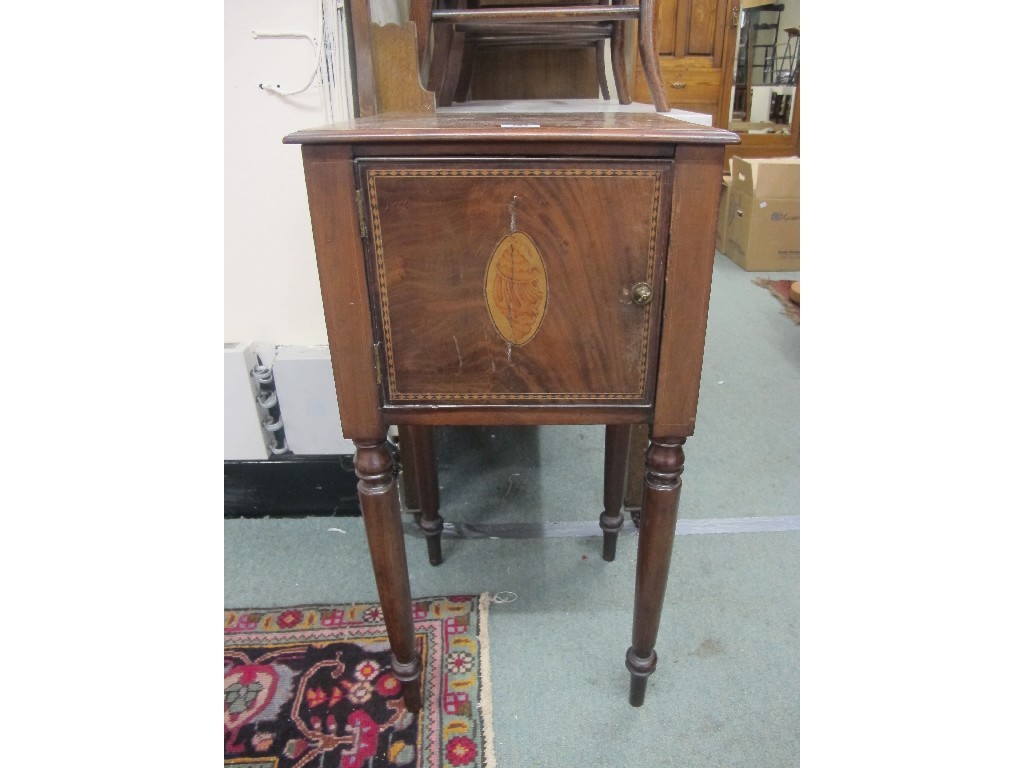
312,686
780,290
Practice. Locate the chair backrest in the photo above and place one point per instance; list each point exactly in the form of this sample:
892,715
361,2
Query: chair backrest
394,86
470,16
466,14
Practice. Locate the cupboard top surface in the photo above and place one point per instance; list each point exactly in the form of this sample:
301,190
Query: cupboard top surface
614,127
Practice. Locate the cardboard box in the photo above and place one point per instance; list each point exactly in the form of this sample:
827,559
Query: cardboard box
723,215
721,234
763,221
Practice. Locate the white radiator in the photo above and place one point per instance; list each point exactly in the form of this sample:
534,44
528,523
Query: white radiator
244,438
309,404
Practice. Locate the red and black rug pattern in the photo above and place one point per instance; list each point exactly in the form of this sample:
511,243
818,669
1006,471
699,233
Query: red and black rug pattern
312,686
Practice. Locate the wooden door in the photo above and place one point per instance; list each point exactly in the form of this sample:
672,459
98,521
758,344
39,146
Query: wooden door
697,40
697,53
499,282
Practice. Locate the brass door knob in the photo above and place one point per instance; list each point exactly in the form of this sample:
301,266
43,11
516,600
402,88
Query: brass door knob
641,293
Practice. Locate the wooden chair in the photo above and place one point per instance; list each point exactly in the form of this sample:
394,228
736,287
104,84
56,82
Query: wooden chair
461,27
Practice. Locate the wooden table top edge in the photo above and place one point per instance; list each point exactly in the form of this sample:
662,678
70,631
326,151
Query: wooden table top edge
628,127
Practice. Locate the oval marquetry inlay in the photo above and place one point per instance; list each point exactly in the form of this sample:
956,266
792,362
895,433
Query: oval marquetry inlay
516,288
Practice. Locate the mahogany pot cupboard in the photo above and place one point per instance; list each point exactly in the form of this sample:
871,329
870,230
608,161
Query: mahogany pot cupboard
511,269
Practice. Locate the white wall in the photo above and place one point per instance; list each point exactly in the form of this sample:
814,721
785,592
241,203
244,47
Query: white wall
271,291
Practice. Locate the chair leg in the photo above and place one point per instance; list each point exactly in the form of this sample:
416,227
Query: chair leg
619,62
452,69
409,486
616,452
649,55
602,74
439,57
639,437
419,14
421,443
465,73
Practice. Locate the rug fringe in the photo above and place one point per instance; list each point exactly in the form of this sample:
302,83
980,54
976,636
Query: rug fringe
486,703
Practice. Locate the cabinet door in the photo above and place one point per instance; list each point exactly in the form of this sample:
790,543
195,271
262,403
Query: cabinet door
498,282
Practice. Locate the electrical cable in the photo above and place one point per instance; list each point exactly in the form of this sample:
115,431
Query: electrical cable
276,89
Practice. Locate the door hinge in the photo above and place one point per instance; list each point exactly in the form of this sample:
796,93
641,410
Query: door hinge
361,205
376,363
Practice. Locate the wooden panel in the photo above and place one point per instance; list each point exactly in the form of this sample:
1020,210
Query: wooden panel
514,149
687,288
343,285
534,73
481,415
685,83
396,70
666,13
701,27
436,227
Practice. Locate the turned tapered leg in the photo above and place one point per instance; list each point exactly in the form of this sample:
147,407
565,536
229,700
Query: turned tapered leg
616,451
657,531
421,445
378,500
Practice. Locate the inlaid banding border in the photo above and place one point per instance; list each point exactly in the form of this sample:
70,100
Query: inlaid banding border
394,395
